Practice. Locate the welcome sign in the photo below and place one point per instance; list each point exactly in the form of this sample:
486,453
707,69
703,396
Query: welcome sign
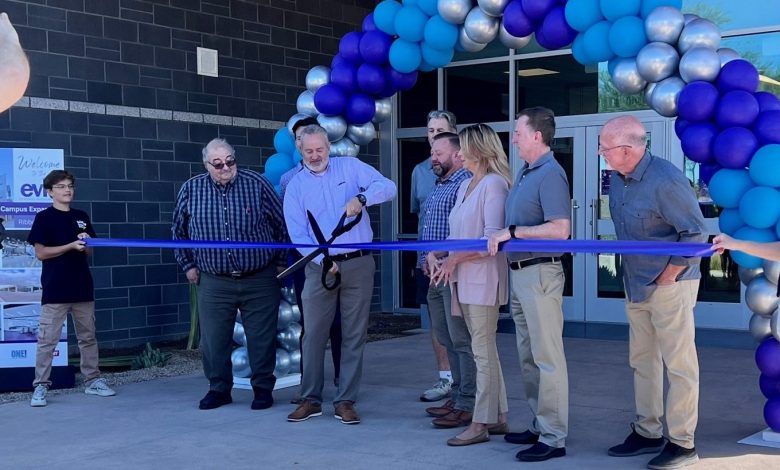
22,194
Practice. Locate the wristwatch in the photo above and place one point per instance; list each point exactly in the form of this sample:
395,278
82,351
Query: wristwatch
362,198
512,232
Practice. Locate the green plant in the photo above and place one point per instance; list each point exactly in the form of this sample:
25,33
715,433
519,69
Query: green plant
192,341
150,357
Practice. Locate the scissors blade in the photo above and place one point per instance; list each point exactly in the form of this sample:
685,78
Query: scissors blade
300,263
315,227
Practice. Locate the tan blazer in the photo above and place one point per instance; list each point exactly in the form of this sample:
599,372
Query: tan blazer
481,281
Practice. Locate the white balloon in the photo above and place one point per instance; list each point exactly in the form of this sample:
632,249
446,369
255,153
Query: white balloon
664,97
305,104
479,27
335,126
699,33
454,11
512,42
700,63
664,24
316,77
467,44
761,296
626,77
657,61
361,134
726,55
493,7
383,110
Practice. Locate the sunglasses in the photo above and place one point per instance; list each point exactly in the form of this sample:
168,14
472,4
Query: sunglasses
230,161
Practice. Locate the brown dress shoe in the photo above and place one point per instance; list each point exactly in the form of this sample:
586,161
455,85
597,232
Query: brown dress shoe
440,411
455,419
307,409
345,411
481,437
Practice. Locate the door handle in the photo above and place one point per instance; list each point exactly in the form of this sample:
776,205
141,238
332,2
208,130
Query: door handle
594,219
574,207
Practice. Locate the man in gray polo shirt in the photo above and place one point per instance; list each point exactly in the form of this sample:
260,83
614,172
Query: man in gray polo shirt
539,207
650,199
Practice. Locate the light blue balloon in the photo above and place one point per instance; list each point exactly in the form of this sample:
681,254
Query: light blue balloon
410,23
430,7
777,230
578,50
297,157
384,16
616,9
627,36
582,14
729,221
765,166
439,34
760,207
284,142
411,2
596,42
277,165
753,235
649,5
405,56
426,67
727,187
436,57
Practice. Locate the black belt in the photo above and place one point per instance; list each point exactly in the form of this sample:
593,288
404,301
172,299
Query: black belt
515,265
349,256
239,274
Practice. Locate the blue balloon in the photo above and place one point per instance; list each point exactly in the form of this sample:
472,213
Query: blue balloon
772,413
767,127
777,230
729,221
439,34
536,10
707,170
738,74
554,32
349,46
384,16
768,358
680,124
627,36
371,78
754,235
613,10
765,166
405,56
767,101
578,50
649,5
375,47
410,23
284,142
760,207
339,59
516,22
727,187
736,108
697,141
596,42
297,157
429,7
402,81
360,109
436,57
426,67
330,100
697,101
368,23
277,165
344,76
582,14
769,387
734,147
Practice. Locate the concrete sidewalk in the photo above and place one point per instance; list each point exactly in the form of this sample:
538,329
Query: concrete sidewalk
157,424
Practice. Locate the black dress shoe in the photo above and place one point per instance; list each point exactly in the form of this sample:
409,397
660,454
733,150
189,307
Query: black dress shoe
673,456
263,399
540,452
636,444
215,399
522,438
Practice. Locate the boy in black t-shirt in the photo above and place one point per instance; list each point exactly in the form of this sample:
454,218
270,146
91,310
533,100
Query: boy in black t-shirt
58,234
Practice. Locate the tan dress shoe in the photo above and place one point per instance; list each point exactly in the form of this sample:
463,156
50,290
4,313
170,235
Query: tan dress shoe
498,428
481,437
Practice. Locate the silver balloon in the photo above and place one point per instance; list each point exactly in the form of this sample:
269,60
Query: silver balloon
361,134
240,359
238,334
383,109
761,296
760,328
288,294
699,33
626,77
479,27
296,330
657,61
344,148
466,43
700,63
295,118
238,317
688,17
316,77
748,274
290,337
649,92
493,7
335,126
295,361
774,324
305,104
772,271
664,24
296,313
285,315
664,97
726,55
282,367
512,42
454,11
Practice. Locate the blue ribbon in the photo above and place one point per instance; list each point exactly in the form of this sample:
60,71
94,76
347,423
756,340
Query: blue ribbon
626,247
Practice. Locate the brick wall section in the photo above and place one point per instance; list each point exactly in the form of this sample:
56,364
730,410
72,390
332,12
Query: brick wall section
141,53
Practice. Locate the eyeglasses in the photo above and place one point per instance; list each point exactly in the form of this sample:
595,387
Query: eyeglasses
603,151
63,186
230,161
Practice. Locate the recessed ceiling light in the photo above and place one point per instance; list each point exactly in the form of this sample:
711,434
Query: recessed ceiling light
535,72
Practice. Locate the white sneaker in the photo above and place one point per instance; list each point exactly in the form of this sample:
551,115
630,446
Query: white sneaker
39,396
100,388
441,390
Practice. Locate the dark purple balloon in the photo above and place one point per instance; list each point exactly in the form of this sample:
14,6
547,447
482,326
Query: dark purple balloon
768,358
371,78
402,81
330,99
772,413
680,125
360,109
738,74
769,387
767,101
706,170
736,108
344,76
349,47
697,101
339,59
516,22
536,10
368,23
697,141
554,32
375,47
767,127
734,147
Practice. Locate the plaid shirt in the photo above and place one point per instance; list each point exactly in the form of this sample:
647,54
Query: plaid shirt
436,209
246,209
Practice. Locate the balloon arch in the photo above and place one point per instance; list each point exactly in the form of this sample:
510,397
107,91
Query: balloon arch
673,59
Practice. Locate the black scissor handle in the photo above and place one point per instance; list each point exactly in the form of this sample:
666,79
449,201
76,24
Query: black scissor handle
327,264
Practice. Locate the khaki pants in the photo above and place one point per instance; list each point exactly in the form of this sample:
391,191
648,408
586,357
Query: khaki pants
482,322
662,332
537,309
53,316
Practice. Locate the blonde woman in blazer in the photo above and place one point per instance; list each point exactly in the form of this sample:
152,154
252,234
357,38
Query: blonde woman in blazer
479,281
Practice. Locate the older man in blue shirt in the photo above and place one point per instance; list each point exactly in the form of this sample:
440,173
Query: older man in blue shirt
329,188
650,199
